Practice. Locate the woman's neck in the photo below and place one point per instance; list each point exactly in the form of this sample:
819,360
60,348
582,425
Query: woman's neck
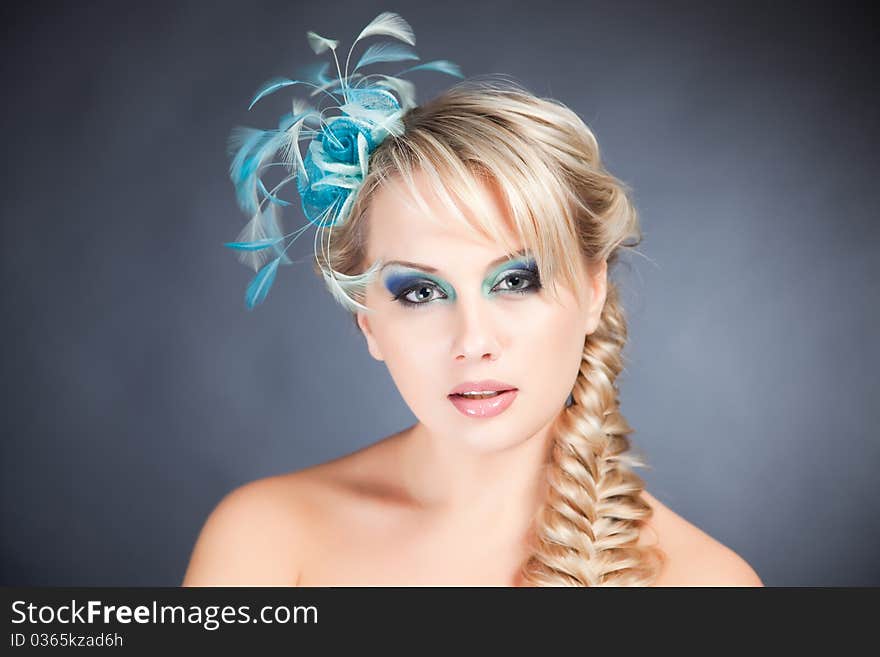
453,481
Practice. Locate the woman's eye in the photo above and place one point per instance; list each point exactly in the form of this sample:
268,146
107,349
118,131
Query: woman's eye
420,294
517,282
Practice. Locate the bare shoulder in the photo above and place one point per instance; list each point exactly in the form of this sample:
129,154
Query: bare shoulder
693,557
252,537
262,533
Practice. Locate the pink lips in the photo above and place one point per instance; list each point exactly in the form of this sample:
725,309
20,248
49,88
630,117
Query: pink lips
484,407
489,407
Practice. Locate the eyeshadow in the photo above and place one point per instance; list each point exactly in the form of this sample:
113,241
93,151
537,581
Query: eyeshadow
528,264
519,263
399,279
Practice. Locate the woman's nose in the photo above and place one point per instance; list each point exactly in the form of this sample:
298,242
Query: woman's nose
476,334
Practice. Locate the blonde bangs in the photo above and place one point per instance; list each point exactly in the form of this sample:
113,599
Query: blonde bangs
538,209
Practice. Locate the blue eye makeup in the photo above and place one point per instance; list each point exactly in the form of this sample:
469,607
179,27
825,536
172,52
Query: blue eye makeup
411,287
414,288
518,276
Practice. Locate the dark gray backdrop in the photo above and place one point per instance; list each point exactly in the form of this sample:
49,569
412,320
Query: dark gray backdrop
138,391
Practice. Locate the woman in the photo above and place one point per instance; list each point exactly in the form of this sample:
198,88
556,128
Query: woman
474,251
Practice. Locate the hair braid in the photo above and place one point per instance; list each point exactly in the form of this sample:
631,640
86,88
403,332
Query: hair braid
587,530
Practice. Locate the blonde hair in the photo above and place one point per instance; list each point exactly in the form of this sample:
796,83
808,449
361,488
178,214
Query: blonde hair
565,208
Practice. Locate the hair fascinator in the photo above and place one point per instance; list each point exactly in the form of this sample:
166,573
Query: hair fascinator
339,124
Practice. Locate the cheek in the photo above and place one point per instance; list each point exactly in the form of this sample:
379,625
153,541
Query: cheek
549,347
553,330
412,348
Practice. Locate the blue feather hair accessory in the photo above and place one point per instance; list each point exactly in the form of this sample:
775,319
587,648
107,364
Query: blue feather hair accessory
366,109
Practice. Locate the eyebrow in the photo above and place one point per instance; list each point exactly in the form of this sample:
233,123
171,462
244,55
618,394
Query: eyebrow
433,270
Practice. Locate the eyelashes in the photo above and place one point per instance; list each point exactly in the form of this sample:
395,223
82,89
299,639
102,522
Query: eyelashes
422,292
402,296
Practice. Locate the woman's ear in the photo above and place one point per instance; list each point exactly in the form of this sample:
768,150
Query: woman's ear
597,278
364,325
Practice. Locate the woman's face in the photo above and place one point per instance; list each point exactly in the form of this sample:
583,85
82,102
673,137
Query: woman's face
460,311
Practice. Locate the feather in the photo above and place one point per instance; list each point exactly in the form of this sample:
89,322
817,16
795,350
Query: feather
301,107
272,86
262,226
316,73
385,52
341,295
253,231
440,65
254,149
273,229
248,146
261,284
391,124
291,153
343,286
292,125
389,24
248,162
242,138
301,110
255,245
319,44
269,195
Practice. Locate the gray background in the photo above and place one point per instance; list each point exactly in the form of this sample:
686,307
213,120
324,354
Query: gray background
138,391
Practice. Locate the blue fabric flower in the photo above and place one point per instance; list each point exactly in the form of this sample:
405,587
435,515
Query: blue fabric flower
334,169
339,139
